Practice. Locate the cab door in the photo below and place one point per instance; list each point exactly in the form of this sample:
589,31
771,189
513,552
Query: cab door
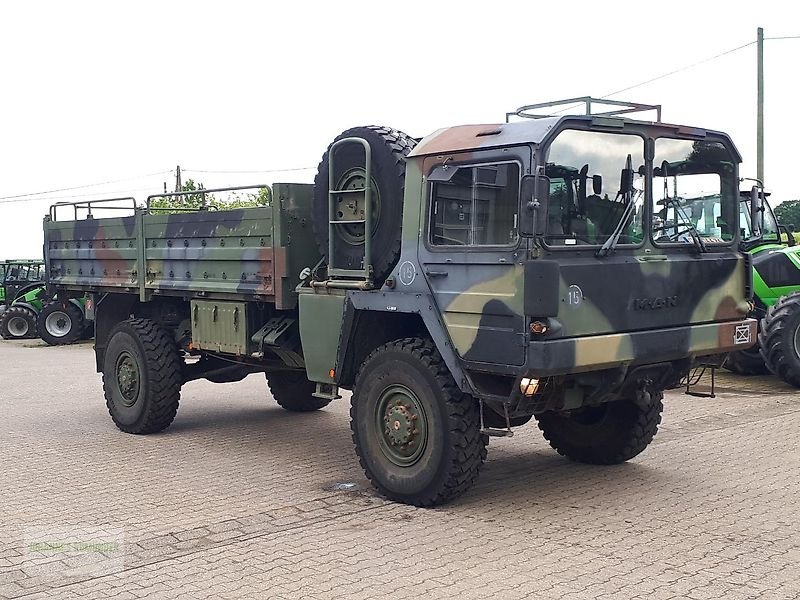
472,256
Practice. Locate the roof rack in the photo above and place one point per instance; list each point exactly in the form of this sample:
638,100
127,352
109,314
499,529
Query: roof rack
588,102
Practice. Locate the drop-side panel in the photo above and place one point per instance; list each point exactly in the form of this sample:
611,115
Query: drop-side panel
215,252
92,253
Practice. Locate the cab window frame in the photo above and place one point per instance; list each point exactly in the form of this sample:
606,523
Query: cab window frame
430,204
542,161
723,245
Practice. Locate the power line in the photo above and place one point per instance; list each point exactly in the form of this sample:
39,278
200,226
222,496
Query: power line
86,195
673,72
248,172
687,67
80,187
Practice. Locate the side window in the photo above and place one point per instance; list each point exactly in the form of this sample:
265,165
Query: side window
476,206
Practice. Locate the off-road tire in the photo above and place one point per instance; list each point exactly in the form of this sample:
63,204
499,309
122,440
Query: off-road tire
776,338
453,450
608,434
294,392
156,357
13,313
389,150
69,312
746,362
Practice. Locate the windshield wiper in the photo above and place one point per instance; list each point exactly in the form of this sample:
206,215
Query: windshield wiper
625,189
695,236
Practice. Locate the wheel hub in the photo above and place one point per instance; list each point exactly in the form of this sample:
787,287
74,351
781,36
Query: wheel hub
18,326
58,324
403,425
127,378
352,207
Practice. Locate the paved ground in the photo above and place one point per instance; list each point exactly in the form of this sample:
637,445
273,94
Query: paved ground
239,499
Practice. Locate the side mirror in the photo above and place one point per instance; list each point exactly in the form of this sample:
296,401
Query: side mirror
597,184
535,197
789,237
756,211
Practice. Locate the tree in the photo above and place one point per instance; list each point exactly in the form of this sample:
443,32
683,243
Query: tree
788,212
169,204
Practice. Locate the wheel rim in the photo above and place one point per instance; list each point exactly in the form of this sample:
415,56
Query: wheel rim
352,206
127,373
18,326
797,342
58,323
402,425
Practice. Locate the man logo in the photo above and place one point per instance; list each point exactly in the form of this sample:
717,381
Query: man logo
653,303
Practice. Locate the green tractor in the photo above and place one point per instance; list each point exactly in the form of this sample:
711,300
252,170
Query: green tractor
27,312
776,296
22,296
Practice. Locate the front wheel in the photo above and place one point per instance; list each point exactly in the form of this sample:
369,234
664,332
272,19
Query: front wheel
141,376
60,323
779,338
416,434
607,434
17,323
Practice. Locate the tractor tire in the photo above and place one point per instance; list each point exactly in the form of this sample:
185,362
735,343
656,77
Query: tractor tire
60,323
18,323
294,392
607,434
416,434
141,376
389,149
779,338
746,362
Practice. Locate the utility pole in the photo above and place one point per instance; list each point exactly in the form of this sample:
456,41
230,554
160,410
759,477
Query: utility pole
760,109
178,184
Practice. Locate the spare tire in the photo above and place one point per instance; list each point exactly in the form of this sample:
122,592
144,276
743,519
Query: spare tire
389,149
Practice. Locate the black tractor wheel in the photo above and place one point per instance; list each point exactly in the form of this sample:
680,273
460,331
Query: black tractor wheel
141,376
416,434
607,434
60,323
747,362
17,323
294,392
389,149
779,338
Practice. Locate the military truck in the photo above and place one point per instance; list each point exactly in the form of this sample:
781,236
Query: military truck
459,285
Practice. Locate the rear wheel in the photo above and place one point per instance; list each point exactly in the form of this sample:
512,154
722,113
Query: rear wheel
141,376
294,392
416,434
779,338
60,323
18,322
747,362
607,434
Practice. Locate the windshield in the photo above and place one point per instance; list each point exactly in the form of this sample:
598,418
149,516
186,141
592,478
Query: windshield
587,199
769,228
694,192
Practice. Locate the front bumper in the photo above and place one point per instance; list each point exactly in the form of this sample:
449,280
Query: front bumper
593,353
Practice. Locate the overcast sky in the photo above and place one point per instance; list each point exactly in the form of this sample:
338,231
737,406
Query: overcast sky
104,91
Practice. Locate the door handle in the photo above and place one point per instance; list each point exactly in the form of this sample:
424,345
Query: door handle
436,273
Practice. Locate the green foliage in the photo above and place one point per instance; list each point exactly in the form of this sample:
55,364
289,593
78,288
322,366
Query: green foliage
788,212
168,204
